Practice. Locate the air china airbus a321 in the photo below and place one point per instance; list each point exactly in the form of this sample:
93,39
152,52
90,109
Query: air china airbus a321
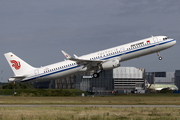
97,61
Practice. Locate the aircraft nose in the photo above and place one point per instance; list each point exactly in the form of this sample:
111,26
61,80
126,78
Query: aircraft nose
174,41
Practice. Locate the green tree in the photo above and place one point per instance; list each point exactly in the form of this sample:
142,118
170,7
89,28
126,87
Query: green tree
19,85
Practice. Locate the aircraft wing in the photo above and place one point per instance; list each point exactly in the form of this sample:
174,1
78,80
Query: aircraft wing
83,61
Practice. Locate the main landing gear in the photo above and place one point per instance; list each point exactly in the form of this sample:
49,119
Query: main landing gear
160,58
96,75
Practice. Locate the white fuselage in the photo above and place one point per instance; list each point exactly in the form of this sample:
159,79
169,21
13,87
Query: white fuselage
123,53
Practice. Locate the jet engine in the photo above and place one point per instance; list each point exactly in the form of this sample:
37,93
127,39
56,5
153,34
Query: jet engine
110,64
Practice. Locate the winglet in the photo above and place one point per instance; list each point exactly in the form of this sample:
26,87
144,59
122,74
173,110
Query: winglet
66,55
75,56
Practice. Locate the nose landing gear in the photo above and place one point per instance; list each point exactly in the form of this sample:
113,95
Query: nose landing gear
160,58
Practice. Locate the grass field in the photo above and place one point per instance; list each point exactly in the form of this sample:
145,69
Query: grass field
88,113
123,99
92,113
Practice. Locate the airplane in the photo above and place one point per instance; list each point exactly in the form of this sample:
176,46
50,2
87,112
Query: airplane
102,60
159,87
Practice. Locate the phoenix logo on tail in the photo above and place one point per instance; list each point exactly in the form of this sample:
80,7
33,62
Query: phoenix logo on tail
16,64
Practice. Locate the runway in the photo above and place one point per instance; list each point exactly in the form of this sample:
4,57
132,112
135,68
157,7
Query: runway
114,106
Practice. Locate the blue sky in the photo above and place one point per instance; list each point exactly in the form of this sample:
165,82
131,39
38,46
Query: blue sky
37,31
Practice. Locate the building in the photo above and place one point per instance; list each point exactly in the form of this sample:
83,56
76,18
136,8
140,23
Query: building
128,78
177,78
44,84
66,82
149,76
160,77
118,79
102,84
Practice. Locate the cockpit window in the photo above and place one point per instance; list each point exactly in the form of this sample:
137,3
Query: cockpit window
165,38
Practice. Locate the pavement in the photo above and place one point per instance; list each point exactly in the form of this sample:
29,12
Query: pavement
114,106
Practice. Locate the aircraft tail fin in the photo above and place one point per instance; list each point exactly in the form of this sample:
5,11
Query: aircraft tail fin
19,67
147,83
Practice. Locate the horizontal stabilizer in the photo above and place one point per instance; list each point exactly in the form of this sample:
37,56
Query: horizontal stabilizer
19,77
16,78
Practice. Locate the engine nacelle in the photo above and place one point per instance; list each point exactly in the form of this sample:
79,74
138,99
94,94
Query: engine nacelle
114,63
